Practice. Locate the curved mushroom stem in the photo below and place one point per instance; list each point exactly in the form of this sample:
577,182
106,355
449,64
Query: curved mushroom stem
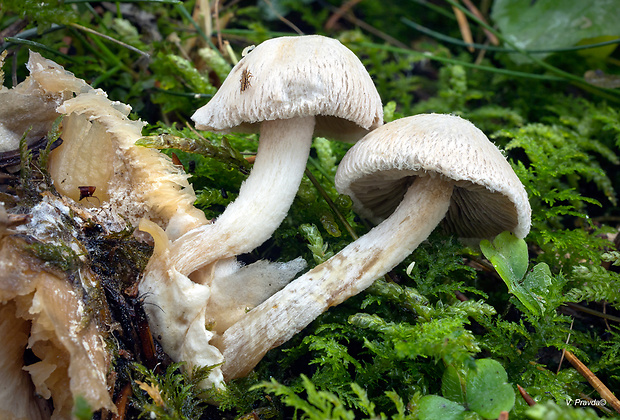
344,275
264,198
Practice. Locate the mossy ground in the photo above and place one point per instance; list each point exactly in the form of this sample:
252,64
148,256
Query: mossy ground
380,353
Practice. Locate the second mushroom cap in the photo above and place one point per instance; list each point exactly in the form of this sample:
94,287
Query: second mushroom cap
488,197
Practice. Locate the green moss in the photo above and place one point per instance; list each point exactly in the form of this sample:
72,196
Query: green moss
380,354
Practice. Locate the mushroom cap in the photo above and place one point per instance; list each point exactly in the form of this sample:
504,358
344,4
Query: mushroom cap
290,77
488,197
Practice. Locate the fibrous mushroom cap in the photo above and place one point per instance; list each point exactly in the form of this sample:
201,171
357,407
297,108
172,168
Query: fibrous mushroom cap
488,197
290,77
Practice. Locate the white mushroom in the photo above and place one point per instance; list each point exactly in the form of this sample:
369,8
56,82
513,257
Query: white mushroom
289,88
437,166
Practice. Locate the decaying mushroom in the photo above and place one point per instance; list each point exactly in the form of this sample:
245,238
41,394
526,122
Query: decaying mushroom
287,88
98,148
54,349
44,307
421,169
186,315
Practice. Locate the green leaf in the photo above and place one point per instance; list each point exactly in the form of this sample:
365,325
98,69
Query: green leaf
82,409
453,384
565,23
537,284
434,407
488,391
508,254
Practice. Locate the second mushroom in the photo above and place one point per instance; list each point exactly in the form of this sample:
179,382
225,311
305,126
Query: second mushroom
417,172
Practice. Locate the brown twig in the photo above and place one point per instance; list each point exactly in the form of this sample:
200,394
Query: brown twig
472,8
528,399
121,403
218,29
503,415
461,19
283,19
567,340
592,311
460,296
605,313
13,29
339,13
594,380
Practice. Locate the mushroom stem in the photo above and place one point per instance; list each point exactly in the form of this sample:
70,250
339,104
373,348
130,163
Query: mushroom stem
344,275
253,216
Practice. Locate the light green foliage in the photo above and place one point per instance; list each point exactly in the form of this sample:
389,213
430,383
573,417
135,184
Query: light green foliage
563,158
326,156
318,405
321,405
319,249
44,13
177,74
388,112
175,395
438,339
215,62
595,283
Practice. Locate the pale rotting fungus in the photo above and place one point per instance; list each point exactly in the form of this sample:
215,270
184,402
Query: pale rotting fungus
187,316
97,149
43,312
421,169
45,307
289,89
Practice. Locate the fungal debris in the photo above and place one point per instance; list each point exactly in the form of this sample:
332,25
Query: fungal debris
247,50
